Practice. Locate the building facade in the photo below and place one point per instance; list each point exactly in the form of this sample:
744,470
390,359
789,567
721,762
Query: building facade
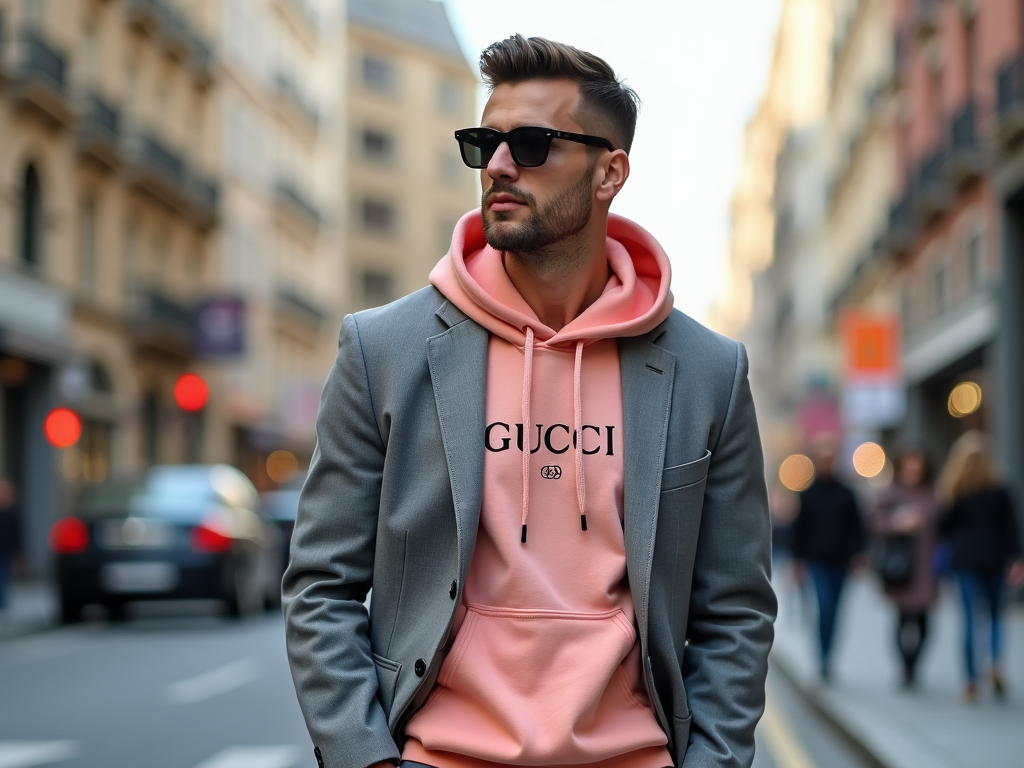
943,232
108,165
409,88
281,253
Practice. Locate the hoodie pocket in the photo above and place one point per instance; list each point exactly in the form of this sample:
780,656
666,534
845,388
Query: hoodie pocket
539,687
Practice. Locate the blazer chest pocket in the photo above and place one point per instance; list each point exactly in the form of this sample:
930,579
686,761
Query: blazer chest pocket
387,680
683,475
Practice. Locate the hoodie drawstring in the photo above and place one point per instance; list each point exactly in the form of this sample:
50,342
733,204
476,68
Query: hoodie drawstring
577,416
527,386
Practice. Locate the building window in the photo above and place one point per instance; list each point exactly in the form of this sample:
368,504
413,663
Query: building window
31,219
975,257
378,287
378,217
130,256
378,147
378,74
87,245
449,97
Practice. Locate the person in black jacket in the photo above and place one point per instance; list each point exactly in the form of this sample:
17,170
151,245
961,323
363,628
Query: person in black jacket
10,538
828,535
980,527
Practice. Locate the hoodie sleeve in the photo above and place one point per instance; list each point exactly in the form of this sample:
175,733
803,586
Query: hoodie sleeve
331,570
732,604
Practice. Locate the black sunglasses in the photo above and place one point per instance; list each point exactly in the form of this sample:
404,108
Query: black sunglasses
529,145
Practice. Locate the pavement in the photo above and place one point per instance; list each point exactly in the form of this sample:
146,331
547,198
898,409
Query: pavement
31,606
928,727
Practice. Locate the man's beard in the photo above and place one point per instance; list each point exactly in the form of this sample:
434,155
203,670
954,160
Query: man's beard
534,240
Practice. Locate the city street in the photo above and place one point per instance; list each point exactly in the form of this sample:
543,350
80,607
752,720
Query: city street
192,691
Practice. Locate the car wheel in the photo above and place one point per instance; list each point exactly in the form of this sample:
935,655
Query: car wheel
70,611
115,611
245,597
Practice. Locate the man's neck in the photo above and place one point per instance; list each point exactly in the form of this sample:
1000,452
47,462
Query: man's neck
560,283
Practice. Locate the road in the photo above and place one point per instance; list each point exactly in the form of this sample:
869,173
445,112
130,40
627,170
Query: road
205,692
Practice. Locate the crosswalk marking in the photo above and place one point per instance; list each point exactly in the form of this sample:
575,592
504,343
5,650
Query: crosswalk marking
782,743
254,757
27,754
213,683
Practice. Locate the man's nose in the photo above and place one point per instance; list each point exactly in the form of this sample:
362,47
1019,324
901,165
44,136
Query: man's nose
501,165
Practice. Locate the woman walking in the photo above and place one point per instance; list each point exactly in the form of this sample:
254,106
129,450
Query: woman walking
903,522
980,526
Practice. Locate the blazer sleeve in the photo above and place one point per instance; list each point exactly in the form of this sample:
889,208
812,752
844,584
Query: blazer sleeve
732,604
331,570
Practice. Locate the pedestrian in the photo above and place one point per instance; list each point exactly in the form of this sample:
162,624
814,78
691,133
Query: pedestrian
979,523
828,538
550,478
10,538
903,523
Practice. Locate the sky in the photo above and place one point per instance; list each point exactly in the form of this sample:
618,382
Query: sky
699,67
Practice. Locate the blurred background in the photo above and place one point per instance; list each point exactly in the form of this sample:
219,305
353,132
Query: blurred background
193,193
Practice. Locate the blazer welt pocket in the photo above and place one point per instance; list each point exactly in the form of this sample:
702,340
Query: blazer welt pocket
387,680
685,474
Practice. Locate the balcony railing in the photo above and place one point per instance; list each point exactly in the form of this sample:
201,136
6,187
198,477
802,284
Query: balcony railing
41,60
292,303
288,196
289,92
41,78
160,321
204,197
932,193
173,29
1010,101
965,160
900,232
200,60
99,130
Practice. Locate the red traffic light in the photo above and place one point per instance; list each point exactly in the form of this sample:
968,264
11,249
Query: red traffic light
62,427
191,392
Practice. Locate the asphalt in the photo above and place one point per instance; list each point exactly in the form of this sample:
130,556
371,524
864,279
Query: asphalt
928,727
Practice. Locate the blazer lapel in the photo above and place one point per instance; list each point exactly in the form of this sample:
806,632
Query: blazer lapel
458,370
648,373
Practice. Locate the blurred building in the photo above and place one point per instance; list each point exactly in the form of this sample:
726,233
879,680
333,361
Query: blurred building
944,230
281,280
409,88
773,304
108,162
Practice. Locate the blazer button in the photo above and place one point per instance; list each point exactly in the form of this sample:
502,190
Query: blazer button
319,757
454,590
420,668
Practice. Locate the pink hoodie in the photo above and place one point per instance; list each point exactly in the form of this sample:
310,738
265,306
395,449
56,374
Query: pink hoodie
545,668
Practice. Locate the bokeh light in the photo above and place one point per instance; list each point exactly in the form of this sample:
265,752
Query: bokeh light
796,472
282,466
62,427
965,399
868,459
191,392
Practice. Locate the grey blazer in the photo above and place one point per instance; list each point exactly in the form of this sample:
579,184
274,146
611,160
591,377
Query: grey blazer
392,502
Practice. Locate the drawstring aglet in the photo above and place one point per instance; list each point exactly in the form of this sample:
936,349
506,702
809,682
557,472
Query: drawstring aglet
524,532
583,522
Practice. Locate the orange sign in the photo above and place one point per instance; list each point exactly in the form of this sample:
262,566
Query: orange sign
871,345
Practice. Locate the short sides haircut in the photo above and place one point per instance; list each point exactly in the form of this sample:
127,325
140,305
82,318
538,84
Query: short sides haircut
605,104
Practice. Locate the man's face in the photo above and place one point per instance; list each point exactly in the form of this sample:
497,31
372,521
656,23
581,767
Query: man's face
528,209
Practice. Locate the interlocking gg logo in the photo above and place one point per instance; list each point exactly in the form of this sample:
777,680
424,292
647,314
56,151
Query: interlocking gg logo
551,472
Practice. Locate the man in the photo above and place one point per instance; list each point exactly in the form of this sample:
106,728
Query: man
551,480
828,538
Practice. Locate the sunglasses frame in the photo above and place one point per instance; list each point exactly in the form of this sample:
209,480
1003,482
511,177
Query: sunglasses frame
505,137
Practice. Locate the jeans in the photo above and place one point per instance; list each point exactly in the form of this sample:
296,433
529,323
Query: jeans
828,587
977,587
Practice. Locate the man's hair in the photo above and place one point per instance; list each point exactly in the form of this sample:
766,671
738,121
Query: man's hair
605,103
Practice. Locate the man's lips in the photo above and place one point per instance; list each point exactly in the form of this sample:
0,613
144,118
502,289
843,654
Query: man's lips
504,202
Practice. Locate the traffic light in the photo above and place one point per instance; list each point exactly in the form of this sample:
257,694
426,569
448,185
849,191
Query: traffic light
191,392
62,427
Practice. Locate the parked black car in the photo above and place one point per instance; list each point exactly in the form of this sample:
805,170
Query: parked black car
282,506
183,532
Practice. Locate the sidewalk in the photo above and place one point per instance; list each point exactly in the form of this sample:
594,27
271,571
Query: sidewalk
925,728
31,606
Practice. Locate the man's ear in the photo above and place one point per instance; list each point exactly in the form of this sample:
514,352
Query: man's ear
612,172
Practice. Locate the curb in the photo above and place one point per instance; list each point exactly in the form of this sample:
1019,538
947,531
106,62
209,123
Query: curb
837,723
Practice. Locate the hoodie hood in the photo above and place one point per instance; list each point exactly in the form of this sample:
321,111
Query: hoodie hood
635,299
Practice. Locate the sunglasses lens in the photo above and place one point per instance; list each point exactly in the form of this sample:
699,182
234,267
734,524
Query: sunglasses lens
477,147
530,146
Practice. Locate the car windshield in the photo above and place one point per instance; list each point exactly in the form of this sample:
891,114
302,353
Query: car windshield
168,492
